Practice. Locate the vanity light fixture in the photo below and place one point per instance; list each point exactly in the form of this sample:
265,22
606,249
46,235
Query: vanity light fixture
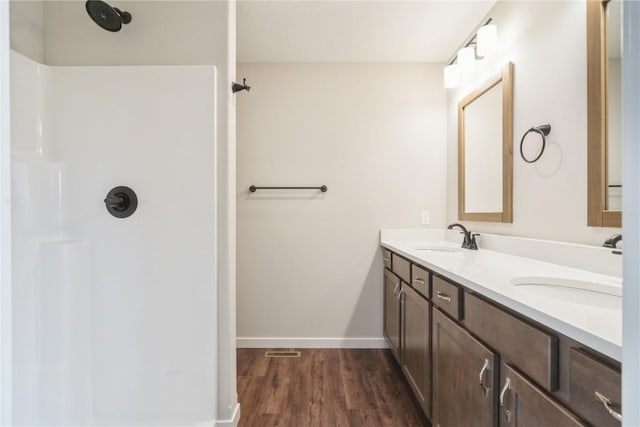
484,42
487,40
466,60
451,76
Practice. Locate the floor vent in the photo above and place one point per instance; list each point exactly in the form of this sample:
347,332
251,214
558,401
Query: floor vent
282,353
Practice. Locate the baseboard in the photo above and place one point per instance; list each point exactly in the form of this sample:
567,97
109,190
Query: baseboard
273,342
231,422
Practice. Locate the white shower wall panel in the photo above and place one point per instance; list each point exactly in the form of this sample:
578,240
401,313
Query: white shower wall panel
153,274
114,319
30,82
36,218
63,333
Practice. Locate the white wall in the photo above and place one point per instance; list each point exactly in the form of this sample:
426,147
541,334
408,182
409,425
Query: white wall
169,33
6,333
92,308
36,219
308,262
27,28
631,206
153,297
228,407
547,43
160,33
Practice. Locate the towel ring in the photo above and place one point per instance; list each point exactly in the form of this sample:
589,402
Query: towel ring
543,131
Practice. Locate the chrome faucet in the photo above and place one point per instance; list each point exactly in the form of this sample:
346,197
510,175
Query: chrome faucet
612,241
469,241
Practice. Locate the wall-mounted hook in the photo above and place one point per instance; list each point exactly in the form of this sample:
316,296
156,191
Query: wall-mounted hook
237,87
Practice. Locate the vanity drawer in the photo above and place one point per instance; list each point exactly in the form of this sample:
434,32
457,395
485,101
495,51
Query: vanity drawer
588,376
386,258
401,267
448,297
420,280
523,403
532,350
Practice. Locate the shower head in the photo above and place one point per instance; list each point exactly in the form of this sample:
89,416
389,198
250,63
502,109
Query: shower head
107,17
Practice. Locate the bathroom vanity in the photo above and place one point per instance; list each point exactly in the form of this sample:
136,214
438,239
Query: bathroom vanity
488,338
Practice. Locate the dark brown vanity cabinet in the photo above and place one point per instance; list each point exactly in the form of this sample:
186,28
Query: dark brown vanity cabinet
464,377
420,280
392,289
447,297
416,339
386,258
595,389
473,362
532,350
523,404
407,326
401,267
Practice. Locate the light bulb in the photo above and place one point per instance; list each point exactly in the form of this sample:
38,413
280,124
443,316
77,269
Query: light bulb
466,60
487,39
451,76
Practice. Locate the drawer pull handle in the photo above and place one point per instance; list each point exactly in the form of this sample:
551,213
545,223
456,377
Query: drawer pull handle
386,259
485,368
418,280
606,402
400,294
395,290
507,387
442,296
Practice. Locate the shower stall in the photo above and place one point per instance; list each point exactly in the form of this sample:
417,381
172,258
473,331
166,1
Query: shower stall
115,314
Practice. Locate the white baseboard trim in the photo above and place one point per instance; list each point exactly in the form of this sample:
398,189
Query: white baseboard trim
231,422
274,342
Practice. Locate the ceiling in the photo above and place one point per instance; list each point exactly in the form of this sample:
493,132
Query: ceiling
355,31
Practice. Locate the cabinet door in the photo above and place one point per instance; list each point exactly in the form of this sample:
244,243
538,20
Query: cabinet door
524,404
416,335
392,312
595,389
464,375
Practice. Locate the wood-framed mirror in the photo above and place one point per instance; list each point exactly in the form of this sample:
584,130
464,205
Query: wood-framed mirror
485,151
603,113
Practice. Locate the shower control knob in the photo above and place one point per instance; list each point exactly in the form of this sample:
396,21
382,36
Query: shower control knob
121,202
114,201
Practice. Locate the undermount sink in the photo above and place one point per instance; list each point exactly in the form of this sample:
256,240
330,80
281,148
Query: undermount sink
614,289
437,248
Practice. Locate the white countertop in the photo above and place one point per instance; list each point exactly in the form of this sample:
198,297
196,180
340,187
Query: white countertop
594,319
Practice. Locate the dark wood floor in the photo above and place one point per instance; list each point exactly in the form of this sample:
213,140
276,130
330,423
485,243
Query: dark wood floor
324,388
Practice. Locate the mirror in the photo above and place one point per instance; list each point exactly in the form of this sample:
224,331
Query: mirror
485,139
614,105
604,119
